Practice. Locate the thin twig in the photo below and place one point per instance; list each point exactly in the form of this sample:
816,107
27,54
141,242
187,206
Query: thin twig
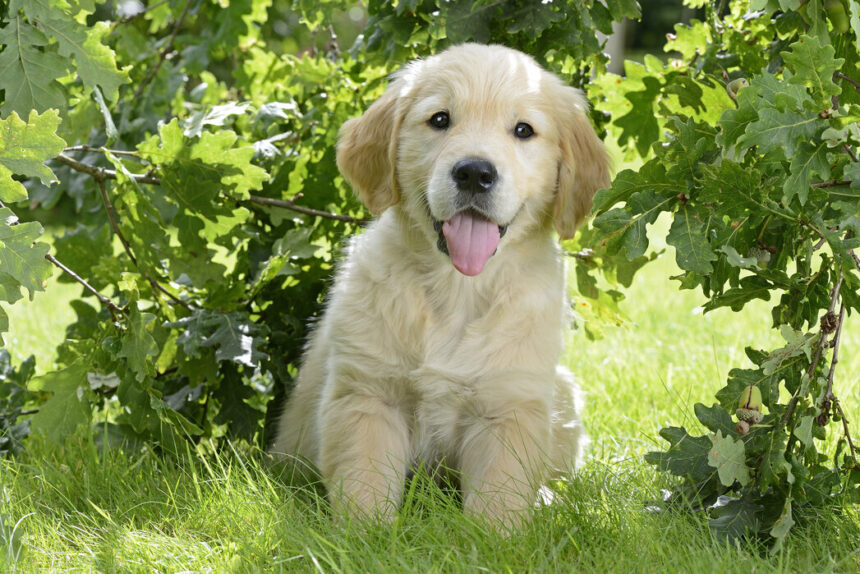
114,225
829,184
850,153
828,395
851,81
112,307
287,204
104,300
102,150
102,173
163,54
841,414
819,348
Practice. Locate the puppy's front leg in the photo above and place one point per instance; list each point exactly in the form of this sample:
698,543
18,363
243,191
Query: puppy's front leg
503,462
364,452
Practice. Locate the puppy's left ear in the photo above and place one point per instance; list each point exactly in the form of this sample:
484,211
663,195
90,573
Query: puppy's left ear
584,166
367,151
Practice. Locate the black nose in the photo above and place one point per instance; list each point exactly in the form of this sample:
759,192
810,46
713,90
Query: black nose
474,175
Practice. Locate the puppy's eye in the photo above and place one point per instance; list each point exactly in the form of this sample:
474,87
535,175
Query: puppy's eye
524,131
439,120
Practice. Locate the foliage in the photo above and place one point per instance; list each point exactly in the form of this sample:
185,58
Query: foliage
749,135
13,398
198,160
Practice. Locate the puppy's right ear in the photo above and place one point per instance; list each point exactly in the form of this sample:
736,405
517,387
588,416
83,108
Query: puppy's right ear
367,152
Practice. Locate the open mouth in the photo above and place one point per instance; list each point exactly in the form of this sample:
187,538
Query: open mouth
470,239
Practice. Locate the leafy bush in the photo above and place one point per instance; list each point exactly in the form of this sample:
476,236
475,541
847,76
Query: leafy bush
750,139
198,160
199,163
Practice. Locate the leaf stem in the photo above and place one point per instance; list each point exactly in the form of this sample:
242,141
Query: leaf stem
288,204
114,225
112,307
164,52
102,150
156,286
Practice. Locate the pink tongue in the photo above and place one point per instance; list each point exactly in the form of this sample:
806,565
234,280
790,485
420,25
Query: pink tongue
471,241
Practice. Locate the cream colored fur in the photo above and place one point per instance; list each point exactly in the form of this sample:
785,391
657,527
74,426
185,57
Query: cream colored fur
415,362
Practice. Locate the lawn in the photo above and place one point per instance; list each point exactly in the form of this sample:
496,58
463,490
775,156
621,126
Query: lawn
81,509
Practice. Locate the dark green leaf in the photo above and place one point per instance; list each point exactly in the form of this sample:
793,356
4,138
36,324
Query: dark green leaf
733,518
687,236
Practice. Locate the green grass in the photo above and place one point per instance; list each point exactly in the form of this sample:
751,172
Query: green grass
79,509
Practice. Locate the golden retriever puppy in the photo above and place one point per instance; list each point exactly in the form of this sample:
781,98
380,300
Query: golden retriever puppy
443,330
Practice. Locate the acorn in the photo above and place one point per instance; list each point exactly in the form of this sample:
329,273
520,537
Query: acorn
837,16
743,427
735,85
749,405
762,256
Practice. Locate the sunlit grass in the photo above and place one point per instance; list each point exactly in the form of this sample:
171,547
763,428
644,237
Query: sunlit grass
79,509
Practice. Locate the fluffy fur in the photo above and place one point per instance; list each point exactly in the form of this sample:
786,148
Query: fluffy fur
414,361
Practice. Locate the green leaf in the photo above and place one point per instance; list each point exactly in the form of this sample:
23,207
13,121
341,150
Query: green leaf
215,116
68,407
624,9
29,70
689,40
729,458
236,339
687,455
777,129
138,345
809,161
750,288
775,470
735,260
627,227
24,148
803,431
854,8
20,257
198,172
640,123
715,419
733,518
651,177
687,236
797,343
782,526
95,62
813,65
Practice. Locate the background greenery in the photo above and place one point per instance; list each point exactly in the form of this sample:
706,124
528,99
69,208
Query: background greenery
196,212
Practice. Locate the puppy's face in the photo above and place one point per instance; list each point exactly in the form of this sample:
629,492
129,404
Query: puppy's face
481,146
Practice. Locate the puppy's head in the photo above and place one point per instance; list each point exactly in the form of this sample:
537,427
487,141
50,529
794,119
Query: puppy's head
481,146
